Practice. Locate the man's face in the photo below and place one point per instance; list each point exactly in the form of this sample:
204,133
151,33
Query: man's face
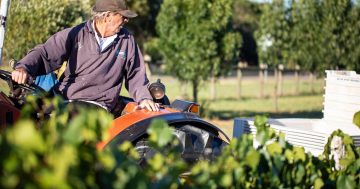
115,21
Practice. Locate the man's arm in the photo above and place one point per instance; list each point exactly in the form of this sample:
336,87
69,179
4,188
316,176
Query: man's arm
44,58
136,81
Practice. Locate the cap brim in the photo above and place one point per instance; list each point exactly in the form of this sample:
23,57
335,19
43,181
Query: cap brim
128,13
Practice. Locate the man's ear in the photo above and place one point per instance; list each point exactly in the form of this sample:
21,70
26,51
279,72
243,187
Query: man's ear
108,17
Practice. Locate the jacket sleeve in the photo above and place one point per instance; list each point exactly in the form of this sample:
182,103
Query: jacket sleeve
49,56
136,81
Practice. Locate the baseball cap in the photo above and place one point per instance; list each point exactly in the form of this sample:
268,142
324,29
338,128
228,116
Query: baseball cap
114,5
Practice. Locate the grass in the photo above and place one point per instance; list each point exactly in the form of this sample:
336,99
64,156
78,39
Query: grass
227,106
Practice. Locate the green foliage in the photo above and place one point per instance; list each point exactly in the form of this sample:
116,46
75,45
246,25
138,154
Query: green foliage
339,29
196,38
143,26
151,48
56,152
316,35
160,134
305,35
274,164
356,119
60,152
246,15
273,34
31,22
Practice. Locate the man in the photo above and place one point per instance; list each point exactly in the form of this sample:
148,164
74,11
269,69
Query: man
100,54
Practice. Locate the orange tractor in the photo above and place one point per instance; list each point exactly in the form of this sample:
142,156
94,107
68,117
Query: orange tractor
198,138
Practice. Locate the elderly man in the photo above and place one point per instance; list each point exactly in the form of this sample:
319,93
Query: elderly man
100,54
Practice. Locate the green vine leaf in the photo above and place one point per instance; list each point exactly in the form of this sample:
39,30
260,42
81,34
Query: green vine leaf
160,133
346,181
274,148
356,119
253,158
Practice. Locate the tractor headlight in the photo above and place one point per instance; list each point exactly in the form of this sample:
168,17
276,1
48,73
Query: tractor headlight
157,90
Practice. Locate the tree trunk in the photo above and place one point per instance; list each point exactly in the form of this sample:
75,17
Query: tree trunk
280,80
195,90
280,83
276,107
213,87
239,68
312,90
261,78
239,80
297,82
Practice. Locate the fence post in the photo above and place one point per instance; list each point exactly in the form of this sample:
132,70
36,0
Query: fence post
312,83
213,86
276,74
240,66
297,80
281,80
262,76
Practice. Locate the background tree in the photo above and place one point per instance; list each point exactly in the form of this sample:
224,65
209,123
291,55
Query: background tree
323,35
246,20
196,38
352,37
306,36
143,26
340,21
32,22
273,38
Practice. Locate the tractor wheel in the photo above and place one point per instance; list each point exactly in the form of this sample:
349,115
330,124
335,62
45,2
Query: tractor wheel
195,144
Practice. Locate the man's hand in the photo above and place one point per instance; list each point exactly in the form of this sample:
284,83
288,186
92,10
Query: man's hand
20,75
149,105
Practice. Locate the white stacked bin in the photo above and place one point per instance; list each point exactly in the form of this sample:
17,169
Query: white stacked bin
341,102
342,97
298,132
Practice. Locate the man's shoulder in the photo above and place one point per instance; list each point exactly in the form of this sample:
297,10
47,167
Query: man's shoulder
72,31
124,32
82,25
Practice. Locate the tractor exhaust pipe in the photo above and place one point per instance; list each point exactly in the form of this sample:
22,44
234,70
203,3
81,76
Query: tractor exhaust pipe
3,15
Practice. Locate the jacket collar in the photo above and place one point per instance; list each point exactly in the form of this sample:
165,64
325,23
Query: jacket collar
123,33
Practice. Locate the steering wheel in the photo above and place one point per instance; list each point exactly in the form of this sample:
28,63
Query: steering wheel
18,92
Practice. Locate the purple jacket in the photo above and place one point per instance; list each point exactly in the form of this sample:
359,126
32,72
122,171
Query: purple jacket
90,74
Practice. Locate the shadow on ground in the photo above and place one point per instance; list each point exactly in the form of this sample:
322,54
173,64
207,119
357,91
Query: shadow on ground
226,115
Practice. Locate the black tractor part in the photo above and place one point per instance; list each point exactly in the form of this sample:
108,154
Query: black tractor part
197,138
194,144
